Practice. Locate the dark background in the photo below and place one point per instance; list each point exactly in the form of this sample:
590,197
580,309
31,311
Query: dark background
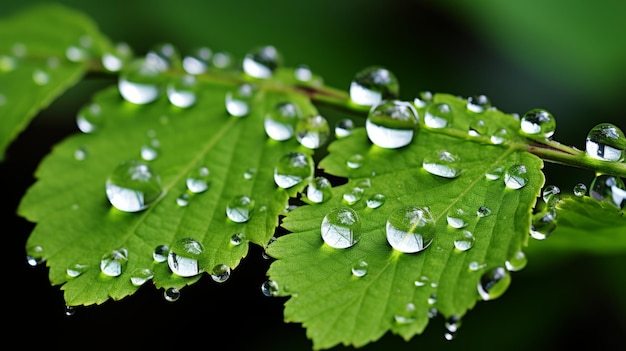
568,57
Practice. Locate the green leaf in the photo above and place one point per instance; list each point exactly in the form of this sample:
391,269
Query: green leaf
34,64
77,225
338,307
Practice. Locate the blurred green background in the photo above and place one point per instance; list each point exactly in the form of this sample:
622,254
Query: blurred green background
568,57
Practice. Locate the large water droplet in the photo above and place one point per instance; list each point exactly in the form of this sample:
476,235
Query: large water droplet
313,132
293,168
140,82
198,180
438,115
240,208
442,163
89,118
140,276
493,283
182,91
238,101
197,62
262,62
319,190
373,85
610,189
341,228
478,103
133,186
516,176
391,124
280,122
114,262
464,240
186,257
410,229
538,122
606,142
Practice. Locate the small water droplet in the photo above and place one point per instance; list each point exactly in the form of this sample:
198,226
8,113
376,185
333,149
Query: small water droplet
478,103
423,99
280,122
76,54
7,63
319,190
171,294
376,200
495,173
341,228
183,199
140,276
118,58
238,100
493,283
474,266
500,136
477,128
438,115
372,85
19,50
76,269
163,56
391,124
344,128
240,208
580,189
262,62
359,269
70,310
606,142
222,60
516,262
452,325
407,315
483,211
312,132
237,238
355,161
249,173
303,73
90,118
442,163
198,180
160,253
80,153
41,77
114,262
150,150
516,176
410,229
293,168
186,257
220,273
458,218
140,82
543,224
538,122
432,299
422,281
610,189
133,186
551,195
197,62
269,288
464,241
182,91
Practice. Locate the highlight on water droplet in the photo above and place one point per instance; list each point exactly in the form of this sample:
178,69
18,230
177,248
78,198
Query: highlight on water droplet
516,176
140,276
280,122
341,228
312,132
319,190
538,122
114,262
391,124
171,294
478,103
516,262
610,189
458,217
442,163
464,240
359,269
606,142
186,257
262,62
240,208
493,283
376,200
238,100
133,186
220,273
410,229
292,168
182,91
140,82
89,118
372,85
438,115
198,180
344,128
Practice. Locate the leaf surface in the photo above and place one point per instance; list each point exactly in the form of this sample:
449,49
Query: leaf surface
401,291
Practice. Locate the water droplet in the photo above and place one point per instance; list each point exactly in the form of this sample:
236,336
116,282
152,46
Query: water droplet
372,85
421,281
543,224
280,122
114,262
140,82
140,276
238,100
608,188
551,195
222,60
438,115
89,118
76,54
186,257
495,173
483,211
198,180
452,325
355,161
150,151
423,99
319,190
516,176
133,186
359,269
163,56
269,288
183,200
41,77
538,122
407,316
70,310
160,253
500,136
171,294
80,153
464,241
220,273
240,208
312,132
303,73
458,218
237,238
442,163
114,61
76,269
182,91
293,168
353,195
474,266
341,228
606,142
197,62
391,124
580,189
19,50
344,128
493,283
249,173
477,128
375,201
478,103
262,62
7,63
410,229
517,262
